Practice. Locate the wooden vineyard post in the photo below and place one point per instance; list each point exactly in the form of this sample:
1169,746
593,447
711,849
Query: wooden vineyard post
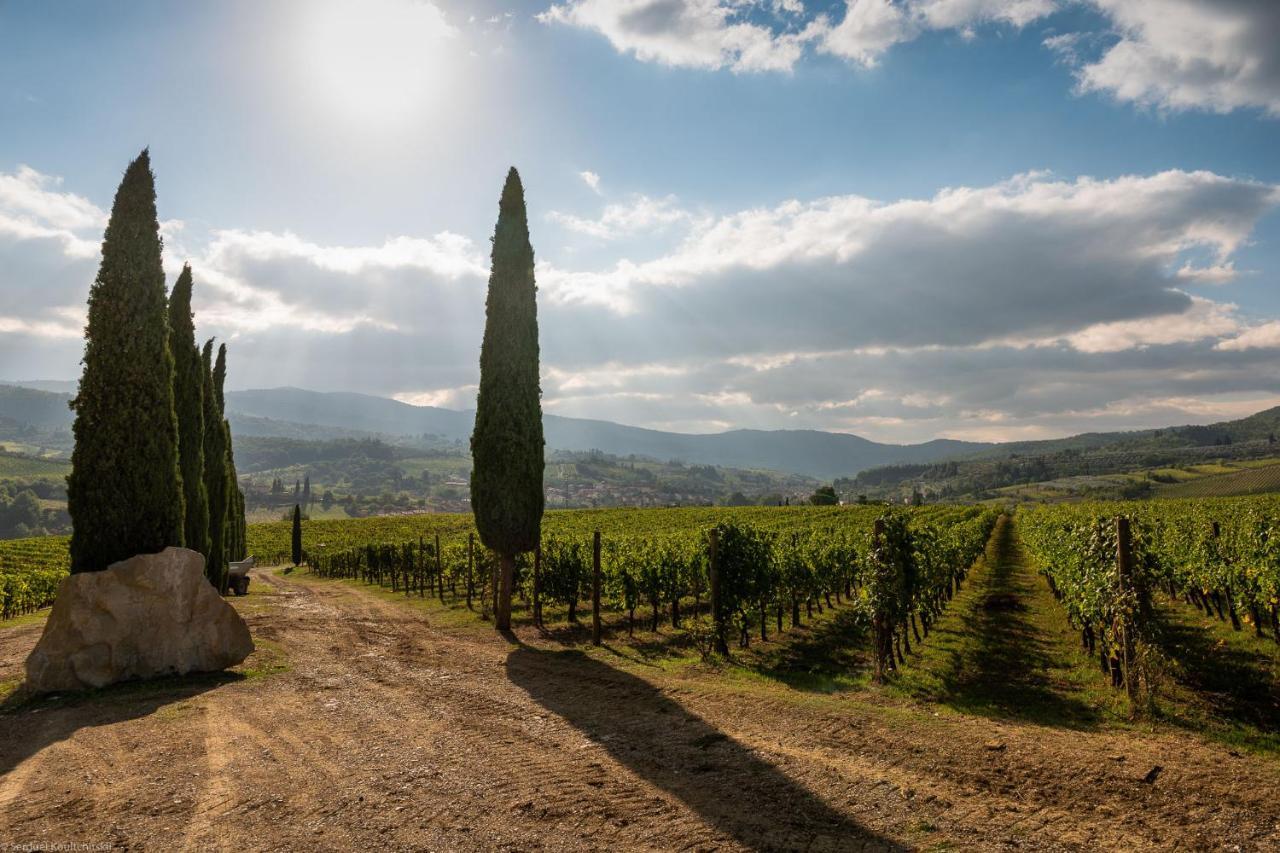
713,576
471,544
494,574
537,586
595,589
422,568
1231,600
439,569
877,617
1124,572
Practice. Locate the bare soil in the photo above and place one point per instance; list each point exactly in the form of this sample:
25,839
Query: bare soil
362,723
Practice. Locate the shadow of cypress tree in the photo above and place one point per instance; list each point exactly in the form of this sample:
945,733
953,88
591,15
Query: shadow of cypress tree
725,782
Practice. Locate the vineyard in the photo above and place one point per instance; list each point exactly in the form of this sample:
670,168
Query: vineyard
30,571
1247,481
1106,562
372,652
757,569
771,564
752,568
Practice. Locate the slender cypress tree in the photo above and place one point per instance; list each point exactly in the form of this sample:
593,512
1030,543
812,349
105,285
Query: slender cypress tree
215,473
235,498
188,399
124,493
297,535
507,444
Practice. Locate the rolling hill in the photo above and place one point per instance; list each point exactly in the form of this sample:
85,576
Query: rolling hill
312,415
297,413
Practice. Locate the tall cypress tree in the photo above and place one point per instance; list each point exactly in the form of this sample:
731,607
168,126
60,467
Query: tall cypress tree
215,472
507,444
297,535
235,525
124,493
188,399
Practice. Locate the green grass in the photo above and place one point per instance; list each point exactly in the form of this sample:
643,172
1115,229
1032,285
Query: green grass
1217,681
27,619
1003,649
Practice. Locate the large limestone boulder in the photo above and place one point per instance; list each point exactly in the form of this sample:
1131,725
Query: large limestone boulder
150,615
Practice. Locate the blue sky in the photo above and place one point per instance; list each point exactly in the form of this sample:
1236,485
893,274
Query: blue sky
901,218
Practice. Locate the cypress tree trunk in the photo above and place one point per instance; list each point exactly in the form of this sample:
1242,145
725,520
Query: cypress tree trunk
215,478
507,444
188,401
124,493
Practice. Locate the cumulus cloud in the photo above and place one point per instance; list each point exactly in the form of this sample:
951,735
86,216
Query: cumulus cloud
870,27
1037,305
1261,336
738,35
639,215
1032,257
592,180
1202,319
1214,55
708,34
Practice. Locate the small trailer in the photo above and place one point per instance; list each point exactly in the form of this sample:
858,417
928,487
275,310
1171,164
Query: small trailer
238,576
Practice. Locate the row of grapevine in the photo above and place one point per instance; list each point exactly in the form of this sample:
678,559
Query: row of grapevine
30,572
656,562
1105,560
898,567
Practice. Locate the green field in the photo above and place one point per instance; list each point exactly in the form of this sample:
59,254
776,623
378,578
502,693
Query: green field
1243,480
15,466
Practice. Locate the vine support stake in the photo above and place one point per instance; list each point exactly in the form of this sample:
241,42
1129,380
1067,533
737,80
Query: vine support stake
1124,571
877,618
471,546
439,568
537,585
595,589
713,573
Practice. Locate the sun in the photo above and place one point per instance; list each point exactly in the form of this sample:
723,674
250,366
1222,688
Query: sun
379,63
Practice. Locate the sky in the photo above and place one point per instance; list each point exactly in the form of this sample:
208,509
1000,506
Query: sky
905,219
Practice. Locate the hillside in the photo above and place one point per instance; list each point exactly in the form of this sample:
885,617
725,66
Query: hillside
312,415
945,467
1088,465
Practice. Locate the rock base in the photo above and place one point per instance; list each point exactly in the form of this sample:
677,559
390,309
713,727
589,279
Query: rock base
148,616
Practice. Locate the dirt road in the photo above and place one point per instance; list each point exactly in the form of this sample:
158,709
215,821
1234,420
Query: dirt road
388,731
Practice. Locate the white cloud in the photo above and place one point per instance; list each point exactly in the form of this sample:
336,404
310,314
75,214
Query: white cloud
1262,336
39,328
592,180
641,214
1214,55
708,34
870,27
1204,319
1031,257
1212,274
34,196
716,34
462,397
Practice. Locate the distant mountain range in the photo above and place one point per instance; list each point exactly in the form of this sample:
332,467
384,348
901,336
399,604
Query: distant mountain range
297,413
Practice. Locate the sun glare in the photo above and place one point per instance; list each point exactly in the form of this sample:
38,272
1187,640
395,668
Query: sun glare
382,63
